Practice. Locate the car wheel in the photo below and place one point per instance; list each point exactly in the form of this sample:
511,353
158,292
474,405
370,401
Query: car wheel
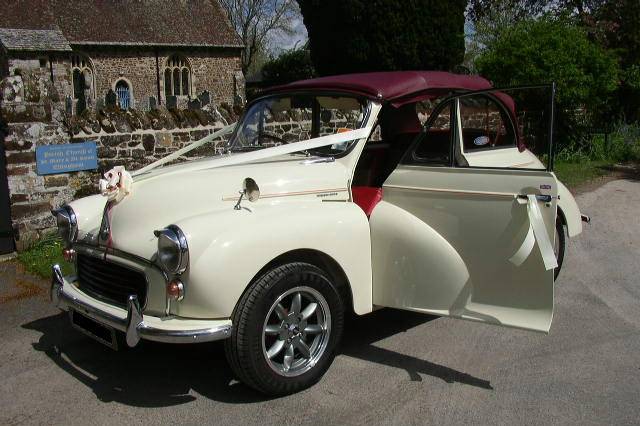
559,244
287,326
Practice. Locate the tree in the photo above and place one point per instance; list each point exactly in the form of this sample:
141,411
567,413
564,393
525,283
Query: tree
290,66
546,50
614,24
623,18
490,17
256,20
348,36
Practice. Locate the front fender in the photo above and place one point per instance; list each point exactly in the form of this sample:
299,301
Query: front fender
570,210
229,247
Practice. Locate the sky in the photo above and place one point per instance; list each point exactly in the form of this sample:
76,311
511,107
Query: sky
281,42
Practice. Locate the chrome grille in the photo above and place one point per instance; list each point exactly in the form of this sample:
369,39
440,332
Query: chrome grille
109,281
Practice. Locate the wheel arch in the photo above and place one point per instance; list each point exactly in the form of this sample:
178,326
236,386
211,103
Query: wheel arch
314,257
569,211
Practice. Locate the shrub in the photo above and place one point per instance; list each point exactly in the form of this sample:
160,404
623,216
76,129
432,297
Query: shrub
621,145
290,66
546,50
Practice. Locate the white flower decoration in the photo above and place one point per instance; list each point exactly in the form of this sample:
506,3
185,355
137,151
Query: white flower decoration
116,185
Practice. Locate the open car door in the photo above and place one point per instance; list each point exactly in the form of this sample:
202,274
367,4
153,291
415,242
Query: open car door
468,242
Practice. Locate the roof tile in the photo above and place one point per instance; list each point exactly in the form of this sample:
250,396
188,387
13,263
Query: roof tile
126,22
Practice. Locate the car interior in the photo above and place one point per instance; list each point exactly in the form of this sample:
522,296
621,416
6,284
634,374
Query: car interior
483,127
396,130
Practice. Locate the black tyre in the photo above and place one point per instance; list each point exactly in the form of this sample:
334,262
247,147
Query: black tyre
559,246
287,326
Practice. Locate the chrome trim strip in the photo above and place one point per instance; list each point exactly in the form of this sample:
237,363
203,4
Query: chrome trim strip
454,191
289,194
133,325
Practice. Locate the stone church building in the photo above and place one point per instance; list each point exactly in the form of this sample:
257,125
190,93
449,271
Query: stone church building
138,79
147,51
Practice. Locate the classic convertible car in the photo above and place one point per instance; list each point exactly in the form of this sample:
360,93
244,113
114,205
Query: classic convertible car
410,190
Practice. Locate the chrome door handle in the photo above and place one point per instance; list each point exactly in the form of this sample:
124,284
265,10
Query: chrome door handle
539,197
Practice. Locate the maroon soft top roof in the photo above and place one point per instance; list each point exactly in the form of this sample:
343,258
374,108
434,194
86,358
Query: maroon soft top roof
387,85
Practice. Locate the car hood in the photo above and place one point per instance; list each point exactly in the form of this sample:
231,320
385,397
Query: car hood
173,194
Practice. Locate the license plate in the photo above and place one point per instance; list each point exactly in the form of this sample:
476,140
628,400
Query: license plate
97,331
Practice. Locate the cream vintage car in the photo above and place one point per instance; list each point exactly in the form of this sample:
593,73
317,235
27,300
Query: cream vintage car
410,190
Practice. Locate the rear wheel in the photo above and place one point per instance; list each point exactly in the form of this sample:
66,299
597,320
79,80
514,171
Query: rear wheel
286,329
559,244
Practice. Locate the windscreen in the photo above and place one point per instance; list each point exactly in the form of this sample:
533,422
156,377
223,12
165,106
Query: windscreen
289,119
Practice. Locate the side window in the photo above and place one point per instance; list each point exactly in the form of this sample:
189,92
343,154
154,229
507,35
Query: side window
434,146
485,124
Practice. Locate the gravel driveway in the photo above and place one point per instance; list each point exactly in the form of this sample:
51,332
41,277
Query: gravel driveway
395,367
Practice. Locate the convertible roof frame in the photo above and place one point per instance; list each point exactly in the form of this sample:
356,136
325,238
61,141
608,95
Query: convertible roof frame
387,86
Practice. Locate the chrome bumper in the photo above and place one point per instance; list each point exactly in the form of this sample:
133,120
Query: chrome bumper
133,323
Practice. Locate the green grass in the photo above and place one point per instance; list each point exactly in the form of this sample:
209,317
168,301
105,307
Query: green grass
580,163
574,174
44,253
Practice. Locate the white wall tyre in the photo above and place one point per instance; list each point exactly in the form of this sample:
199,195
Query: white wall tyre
287,326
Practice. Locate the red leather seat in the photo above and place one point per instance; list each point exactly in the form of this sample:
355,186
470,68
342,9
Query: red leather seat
366,197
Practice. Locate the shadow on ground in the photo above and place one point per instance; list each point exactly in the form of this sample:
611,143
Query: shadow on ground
161,375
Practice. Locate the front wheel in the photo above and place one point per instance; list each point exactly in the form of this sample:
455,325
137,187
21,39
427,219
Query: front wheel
286,329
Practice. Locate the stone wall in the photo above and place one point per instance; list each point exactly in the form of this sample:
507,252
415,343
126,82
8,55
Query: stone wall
34,105
36,92
218,74
33,196
217,71
136,67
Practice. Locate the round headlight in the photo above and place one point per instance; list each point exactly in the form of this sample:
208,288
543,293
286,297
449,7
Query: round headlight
173,252
67,223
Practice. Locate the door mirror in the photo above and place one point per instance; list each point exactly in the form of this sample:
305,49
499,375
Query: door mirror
251,189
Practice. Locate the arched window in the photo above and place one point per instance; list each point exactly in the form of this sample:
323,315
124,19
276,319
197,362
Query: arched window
124,94
177,76
82,72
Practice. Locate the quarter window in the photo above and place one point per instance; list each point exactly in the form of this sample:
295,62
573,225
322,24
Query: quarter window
484,124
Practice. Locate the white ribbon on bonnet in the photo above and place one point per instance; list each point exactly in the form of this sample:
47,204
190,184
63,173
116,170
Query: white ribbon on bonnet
115,192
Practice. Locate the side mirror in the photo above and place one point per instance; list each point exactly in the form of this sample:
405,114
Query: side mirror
251,189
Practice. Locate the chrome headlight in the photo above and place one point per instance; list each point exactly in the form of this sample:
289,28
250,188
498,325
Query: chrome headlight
67,223
173,252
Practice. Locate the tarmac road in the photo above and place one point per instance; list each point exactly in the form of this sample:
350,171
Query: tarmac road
394,368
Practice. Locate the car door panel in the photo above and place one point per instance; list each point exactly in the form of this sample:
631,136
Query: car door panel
474,233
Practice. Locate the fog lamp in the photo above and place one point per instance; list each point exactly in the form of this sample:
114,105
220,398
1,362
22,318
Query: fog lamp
175,290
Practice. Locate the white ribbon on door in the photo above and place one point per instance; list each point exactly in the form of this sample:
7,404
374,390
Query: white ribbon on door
537,233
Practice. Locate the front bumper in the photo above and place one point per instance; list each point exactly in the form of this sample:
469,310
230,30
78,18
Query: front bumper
131,321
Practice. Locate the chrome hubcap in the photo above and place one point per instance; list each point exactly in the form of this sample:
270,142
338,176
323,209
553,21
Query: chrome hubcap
296,331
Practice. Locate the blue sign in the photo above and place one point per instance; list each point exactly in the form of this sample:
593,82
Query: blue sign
73,157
